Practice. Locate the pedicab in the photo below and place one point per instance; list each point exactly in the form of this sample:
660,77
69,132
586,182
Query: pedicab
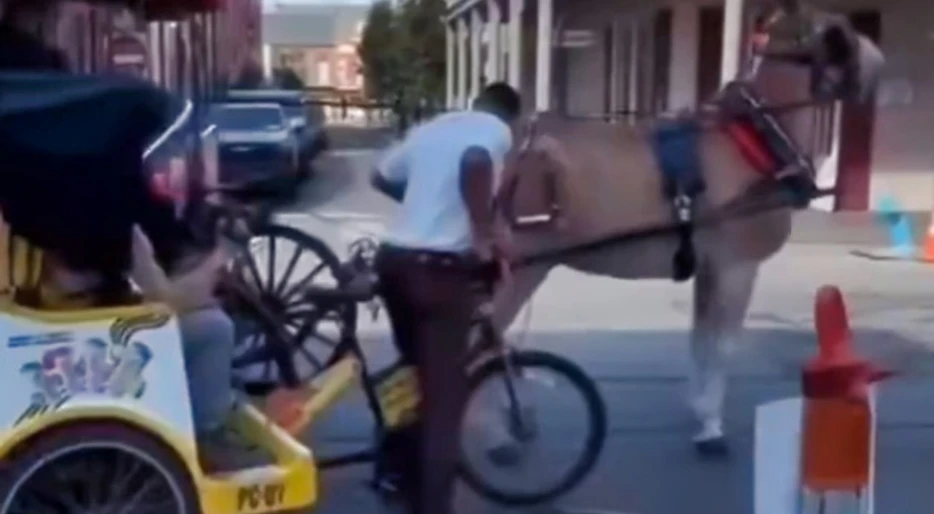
97,414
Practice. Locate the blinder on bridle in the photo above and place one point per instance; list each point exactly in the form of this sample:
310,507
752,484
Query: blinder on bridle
819,42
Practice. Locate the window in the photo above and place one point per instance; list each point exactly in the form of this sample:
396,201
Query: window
324,73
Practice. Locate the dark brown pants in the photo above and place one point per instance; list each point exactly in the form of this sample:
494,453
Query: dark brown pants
428,300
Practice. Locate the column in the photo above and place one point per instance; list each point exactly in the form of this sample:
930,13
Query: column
450,72
476,57
493,52
543,59
685,28
732,40
461,62
515,43
267,62
633,75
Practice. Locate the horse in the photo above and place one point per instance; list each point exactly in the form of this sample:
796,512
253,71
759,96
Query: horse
707,195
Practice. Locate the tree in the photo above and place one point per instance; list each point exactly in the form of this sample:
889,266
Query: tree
286,78
379,52
421,27
403,54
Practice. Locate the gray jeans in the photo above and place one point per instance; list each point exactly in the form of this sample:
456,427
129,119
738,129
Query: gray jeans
208,345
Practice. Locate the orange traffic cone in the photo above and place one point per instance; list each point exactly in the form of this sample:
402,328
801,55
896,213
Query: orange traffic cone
927,252
838,418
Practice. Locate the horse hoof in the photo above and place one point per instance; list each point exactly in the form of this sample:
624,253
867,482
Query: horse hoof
712,448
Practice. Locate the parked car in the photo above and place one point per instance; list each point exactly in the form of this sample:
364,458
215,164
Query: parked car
306,119
257,145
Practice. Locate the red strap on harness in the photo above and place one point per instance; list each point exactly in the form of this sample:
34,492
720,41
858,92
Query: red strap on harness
752,148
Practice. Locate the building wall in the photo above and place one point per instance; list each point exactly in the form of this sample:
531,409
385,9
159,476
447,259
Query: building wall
903,154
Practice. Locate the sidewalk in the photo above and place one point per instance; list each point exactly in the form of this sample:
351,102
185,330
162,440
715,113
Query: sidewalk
856,229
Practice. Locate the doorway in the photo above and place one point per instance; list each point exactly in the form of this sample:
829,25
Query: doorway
857,122
709,52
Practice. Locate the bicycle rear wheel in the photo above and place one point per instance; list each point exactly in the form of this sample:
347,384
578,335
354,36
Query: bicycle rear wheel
488,469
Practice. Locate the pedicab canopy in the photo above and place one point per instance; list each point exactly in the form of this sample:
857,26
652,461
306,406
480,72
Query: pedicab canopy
72,147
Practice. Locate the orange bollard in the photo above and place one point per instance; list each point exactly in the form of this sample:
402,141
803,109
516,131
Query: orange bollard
838,420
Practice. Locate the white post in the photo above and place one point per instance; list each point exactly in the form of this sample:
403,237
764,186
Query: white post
685,25
543,48
494,18
732,40
515,43
461,62
633,101
616,70
450,70
503,58
267,62
476,59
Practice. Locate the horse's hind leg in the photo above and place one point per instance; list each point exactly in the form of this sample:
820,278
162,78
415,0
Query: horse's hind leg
721,300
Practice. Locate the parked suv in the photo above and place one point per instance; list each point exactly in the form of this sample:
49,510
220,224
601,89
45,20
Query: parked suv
306,119
257,145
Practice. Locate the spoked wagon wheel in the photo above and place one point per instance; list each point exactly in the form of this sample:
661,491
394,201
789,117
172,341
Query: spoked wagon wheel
99,467
281,263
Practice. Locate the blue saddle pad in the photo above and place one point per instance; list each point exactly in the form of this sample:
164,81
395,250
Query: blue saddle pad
675,144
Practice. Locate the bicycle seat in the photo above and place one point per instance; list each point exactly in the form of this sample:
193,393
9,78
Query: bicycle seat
359,289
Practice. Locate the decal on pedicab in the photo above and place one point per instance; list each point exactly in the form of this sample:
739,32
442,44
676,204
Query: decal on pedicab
265,496
95,366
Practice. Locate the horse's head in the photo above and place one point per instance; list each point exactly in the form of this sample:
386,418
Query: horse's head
799,54
800,59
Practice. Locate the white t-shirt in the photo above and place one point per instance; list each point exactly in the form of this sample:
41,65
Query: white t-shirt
434,216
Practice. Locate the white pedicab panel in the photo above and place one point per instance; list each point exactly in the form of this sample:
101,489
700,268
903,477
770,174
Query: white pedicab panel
135,363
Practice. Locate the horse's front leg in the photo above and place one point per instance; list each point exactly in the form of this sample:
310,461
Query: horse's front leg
721,300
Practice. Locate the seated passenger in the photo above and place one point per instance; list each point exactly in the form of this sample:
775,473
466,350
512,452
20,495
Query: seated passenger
147,244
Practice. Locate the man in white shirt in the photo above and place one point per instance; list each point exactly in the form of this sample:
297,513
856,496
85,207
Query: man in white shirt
444,174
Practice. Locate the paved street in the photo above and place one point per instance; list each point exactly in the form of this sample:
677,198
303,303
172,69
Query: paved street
631,337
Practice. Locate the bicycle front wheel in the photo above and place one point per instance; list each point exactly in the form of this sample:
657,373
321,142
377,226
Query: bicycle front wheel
519,447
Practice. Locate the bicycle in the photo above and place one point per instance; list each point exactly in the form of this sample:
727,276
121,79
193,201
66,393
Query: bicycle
391,392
